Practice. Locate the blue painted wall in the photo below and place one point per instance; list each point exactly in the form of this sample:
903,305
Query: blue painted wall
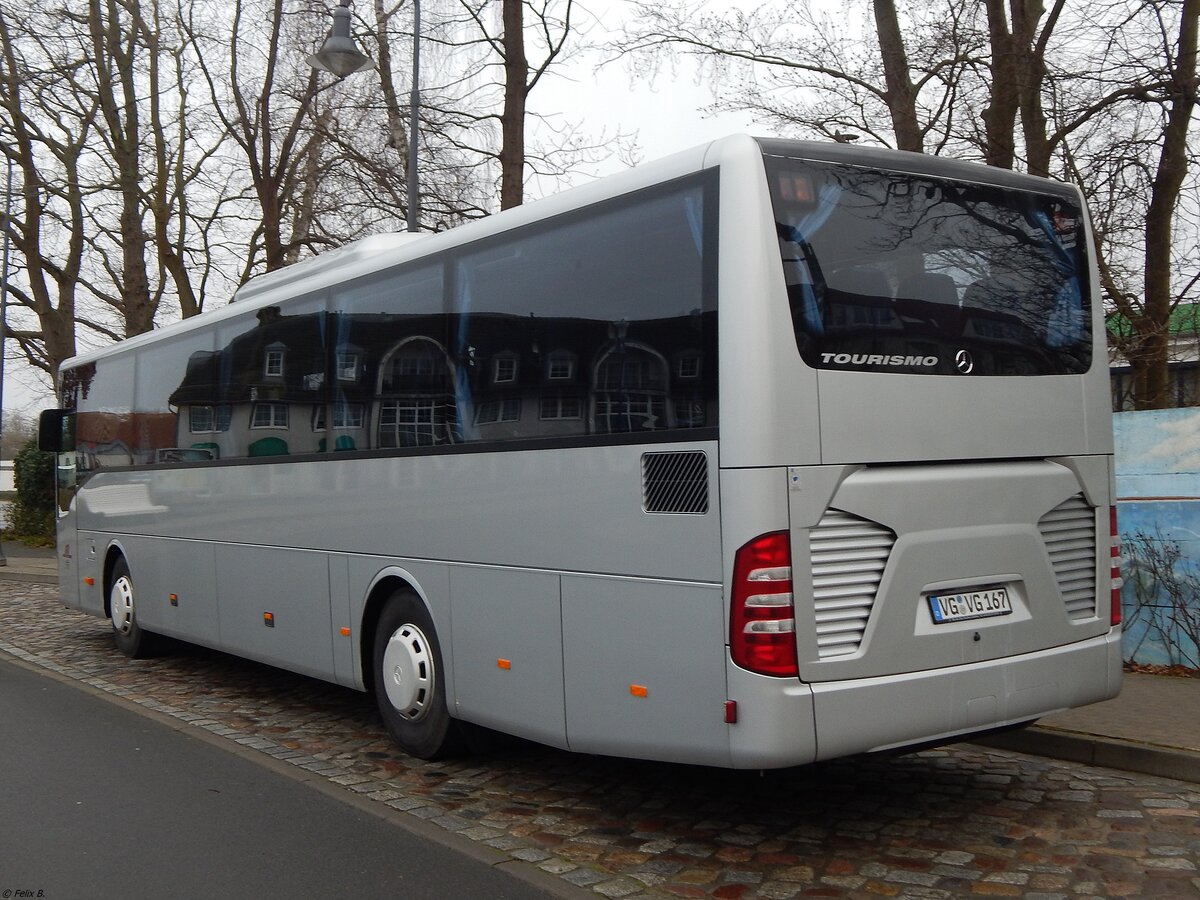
1158,513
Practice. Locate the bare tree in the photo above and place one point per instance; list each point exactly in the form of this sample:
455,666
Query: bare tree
1136,163
48,229
96,108
898,81
262,93
1015,84
551,25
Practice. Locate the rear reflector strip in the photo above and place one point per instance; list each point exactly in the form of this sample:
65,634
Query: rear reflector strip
1115,571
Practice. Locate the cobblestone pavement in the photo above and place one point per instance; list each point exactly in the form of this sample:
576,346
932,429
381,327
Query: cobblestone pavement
962,821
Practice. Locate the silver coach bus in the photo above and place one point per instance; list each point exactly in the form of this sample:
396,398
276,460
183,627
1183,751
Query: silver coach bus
765,453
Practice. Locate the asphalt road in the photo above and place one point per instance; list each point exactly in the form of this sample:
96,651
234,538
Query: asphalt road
97,801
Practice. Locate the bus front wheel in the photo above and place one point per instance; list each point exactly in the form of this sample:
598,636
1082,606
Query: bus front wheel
409,687
127,634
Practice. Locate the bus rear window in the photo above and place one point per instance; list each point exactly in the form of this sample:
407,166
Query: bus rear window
894,272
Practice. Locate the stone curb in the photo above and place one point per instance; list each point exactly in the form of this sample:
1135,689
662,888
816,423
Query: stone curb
1099,750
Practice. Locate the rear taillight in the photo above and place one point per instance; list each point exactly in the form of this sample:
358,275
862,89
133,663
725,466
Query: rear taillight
762,617
1115,570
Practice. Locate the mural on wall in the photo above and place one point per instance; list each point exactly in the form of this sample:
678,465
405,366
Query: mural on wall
1158,493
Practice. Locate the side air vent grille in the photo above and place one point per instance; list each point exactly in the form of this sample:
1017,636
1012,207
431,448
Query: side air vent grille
848,558
1069,531
675,482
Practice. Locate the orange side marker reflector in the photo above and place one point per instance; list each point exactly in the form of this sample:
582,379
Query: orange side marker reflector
505,664
89,581
269,619
345,632
174,598
639,690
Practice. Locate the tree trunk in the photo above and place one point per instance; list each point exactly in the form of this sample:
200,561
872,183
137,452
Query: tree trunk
114,61
1000,115
1153,391
512,119
901,95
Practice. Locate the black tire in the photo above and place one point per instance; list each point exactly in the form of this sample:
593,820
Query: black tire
410,689
127,633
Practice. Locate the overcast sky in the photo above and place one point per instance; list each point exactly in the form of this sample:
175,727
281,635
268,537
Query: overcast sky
604,97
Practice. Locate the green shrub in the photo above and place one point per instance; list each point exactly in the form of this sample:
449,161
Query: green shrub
31,515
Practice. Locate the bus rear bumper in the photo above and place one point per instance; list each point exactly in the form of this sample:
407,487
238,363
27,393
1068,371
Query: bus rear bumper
936,706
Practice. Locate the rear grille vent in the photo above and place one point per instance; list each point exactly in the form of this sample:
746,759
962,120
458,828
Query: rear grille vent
848,558
675,482
1069,531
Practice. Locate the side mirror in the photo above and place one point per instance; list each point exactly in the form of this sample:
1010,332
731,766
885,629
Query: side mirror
56,431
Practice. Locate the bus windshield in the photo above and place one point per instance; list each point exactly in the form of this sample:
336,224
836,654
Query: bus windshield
895,272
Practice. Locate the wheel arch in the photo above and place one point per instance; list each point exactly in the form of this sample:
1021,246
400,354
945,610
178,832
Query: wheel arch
384,585
114,552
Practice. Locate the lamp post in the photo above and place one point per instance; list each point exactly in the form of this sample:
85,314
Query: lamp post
4,303
414,103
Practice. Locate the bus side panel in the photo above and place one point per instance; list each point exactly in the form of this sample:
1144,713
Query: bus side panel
184,569
86,561
69,587
345,646
274,607
507,635
645,669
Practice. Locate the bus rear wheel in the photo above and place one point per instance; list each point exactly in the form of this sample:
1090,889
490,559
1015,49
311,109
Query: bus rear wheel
127,633
409,688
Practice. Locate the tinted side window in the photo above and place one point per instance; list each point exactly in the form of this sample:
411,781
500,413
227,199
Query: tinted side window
167,431
595,323
392,369
253,393
106,429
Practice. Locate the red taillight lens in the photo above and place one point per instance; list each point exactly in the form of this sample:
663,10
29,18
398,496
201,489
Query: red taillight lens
1115,570
762,618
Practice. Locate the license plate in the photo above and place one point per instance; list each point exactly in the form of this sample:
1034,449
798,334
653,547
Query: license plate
963,605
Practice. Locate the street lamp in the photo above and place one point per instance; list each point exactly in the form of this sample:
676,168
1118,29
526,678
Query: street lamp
339,54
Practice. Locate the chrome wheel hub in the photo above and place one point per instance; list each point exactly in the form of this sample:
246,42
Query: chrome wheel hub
121,601
408,673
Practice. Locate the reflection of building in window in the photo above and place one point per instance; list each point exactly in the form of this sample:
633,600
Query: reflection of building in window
630,412
689,411
491,411
417,404
688,365
273,367
345,415
209,419
504,369
560,406
631,390
560,366
269,415
347,366
410,365
408,423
